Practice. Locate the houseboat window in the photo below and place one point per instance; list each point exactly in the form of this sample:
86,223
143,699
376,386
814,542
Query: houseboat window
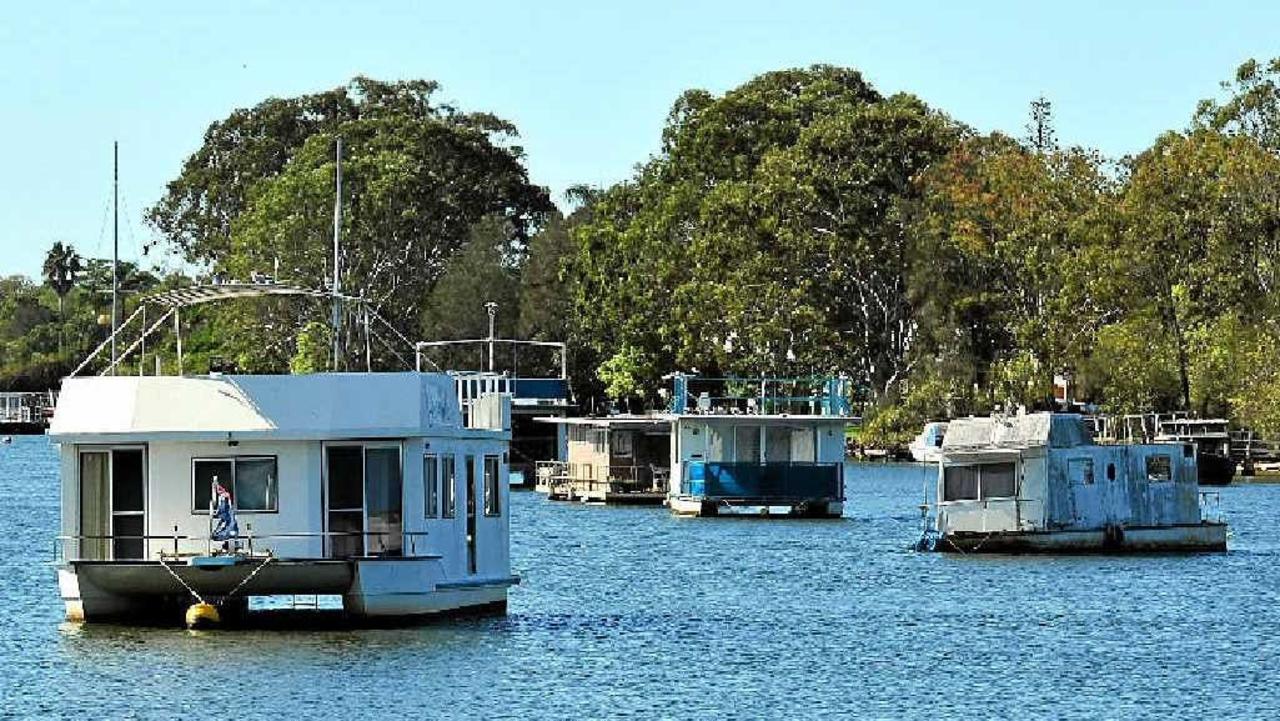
989,480
492,492
998,480
777,445
622,444
448,482
804,445
251,481
1080,471
1158,468
430,482
960,483
1111,471
1188,451
255,482
746,444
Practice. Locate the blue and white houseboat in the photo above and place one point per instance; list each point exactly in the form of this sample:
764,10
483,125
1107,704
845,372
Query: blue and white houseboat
367,487
1038,483
723,446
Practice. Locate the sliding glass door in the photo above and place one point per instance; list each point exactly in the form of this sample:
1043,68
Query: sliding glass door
364,498
113,491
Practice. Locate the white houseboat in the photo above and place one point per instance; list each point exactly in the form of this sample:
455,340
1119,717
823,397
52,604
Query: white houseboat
363,485
1038,482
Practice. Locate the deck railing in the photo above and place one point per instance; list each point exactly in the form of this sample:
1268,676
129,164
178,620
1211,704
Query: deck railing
615,479
170,545
763,480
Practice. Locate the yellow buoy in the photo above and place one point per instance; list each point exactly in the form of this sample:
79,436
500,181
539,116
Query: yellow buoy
202,615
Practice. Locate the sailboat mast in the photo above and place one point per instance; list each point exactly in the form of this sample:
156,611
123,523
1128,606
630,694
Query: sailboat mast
337,233
115,248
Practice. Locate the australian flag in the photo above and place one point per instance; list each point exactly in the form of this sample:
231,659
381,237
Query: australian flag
223,514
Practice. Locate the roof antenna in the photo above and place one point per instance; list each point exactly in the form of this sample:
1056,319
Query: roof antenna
337,233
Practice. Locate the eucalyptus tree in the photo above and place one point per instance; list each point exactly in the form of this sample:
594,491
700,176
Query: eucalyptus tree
764,237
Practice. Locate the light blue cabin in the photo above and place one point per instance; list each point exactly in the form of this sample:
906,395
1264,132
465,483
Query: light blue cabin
758,447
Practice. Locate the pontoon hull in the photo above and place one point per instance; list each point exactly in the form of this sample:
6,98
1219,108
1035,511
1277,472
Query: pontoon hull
759,507
381,588
1203,537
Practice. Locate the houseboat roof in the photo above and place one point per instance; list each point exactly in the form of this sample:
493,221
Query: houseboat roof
1032,430
665,419
240,407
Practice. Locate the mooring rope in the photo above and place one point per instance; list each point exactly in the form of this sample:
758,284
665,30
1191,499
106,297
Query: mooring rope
248,578
178,578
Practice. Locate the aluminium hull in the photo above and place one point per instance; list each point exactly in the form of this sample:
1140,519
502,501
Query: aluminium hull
1201,537
371,588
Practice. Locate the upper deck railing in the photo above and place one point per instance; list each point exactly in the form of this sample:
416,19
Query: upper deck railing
814,395
167,306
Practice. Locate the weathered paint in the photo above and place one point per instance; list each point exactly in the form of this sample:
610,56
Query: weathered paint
1068,491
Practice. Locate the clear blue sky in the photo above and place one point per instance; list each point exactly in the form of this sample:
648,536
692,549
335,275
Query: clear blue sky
588,84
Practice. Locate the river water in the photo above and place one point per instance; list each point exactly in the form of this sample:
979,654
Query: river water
629,612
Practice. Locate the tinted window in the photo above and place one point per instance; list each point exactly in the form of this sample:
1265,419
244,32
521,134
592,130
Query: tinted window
1158,468
430,482
492,490
204,475
960,483
126,480
255,484
998,480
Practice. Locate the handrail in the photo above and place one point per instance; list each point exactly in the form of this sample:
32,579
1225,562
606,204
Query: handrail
106,342
250,537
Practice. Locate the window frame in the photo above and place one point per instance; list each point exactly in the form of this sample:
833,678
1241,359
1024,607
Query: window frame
431,486
980,495
449,509
235,497
492,496
1168,468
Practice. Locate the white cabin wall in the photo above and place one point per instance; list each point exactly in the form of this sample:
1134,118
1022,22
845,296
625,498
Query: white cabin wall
447,537
68,460
299,501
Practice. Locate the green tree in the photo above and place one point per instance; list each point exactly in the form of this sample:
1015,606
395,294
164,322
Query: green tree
417,175
482,271
62,265
764,238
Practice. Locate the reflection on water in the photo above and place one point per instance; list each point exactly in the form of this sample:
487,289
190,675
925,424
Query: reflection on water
631,612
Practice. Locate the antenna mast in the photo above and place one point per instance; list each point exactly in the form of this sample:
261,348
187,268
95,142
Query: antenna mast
115,247
337,233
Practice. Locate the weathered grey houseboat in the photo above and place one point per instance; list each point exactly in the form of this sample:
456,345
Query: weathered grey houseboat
1038,482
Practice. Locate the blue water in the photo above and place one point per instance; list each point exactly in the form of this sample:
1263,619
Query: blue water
633,613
